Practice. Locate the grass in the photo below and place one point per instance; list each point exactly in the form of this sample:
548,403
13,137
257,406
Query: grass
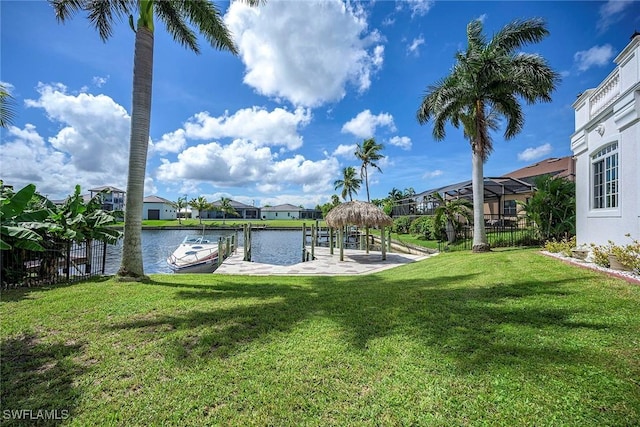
501,339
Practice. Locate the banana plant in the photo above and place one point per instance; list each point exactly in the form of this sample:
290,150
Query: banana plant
19,222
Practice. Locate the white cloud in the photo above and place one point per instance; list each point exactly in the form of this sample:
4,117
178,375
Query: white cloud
7,86
611,12
482,18
345,150
596,56
244,164
172,142
432,174
414,47
278,127
328,52
534,153
417,7
364,125
90,148
403,142
100,81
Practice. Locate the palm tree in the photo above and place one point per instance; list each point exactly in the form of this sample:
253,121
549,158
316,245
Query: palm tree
7,112
180,204
350,183
176,16
487,81
448,212
369,153
200,204
226,208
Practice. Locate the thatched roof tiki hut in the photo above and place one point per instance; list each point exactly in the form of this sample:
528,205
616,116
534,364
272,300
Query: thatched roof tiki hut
360,214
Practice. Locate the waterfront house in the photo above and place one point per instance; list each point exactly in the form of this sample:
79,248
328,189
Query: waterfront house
244,211
289,211
606,145
154,207
113,199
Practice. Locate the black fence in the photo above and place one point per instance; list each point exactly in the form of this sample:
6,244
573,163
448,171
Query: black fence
502,231
61,262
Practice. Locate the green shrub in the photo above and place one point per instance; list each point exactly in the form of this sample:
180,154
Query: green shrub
423,226
401,225
563,246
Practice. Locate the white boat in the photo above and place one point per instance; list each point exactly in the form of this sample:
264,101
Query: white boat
196,254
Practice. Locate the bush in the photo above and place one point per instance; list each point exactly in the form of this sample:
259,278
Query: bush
627,255
423,226
401,225
564,246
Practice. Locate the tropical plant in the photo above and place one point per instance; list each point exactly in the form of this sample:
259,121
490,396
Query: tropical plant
7,112
18,222
401,225
176,15
447,215
200,204
350,183
486,82
180,205
227,208
552,207
424,226
369,153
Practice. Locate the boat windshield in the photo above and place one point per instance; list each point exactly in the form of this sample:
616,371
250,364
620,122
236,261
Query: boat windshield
196,239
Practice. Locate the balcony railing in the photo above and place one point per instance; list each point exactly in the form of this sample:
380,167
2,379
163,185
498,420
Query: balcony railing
605,94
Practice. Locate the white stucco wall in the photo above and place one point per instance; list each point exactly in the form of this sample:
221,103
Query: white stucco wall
618,122
167,212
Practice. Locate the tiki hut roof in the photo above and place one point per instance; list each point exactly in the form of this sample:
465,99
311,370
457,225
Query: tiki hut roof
361,214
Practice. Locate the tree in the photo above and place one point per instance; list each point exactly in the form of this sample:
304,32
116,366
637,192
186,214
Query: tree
552,207
369,153
447,214
487,81
179,205
176,15
7,113
200,204
350,183
226,208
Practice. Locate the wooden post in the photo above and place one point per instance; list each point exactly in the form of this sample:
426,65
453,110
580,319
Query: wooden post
314,237
331,240
366,230
382,245
220,255
304,238
341,242
389,241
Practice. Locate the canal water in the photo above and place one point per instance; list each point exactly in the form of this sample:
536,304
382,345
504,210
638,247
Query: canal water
279,247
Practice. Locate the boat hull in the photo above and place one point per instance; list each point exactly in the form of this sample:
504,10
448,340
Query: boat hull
194,255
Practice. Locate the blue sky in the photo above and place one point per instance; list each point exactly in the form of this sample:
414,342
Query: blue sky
277,123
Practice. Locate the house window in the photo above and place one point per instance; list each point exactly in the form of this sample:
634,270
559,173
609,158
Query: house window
605,177
509,208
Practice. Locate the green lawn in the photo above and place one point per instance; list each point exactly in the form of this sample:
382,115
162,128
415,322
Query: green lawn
509,338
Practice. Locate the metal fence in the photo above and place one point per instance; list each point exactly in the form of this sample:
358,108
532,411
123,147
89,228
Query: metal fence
501,231
61,262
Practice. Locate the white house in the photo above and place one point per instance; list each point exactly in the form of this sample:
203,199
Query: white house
113,199
155,207
606,145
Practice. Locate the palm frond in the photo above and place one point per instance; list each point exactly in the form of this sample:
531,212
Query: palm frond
204,15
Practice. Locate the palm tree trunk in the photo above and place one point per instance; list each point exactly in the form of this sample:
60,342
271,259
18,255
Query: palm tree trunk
366,181
480,243
132,267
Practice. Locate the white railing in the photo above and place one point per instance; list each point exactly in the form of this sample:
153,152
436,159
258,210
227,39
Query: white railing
605,94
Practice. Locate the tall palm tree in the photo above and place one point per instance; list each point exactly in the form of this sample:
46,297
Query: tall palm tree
200,204
350,183
448,212
369,153
487,81
227,208
176,15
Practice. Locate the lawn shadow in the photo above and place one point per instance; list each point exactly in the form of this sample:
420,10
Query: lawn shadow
463,322
37,380
18,294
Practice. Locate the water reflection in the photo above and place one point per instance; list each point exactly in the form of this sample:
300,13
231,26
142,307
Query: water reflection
280,247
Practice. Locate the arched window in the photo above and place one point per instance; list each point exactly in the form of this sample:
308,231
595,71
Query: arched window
604,169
